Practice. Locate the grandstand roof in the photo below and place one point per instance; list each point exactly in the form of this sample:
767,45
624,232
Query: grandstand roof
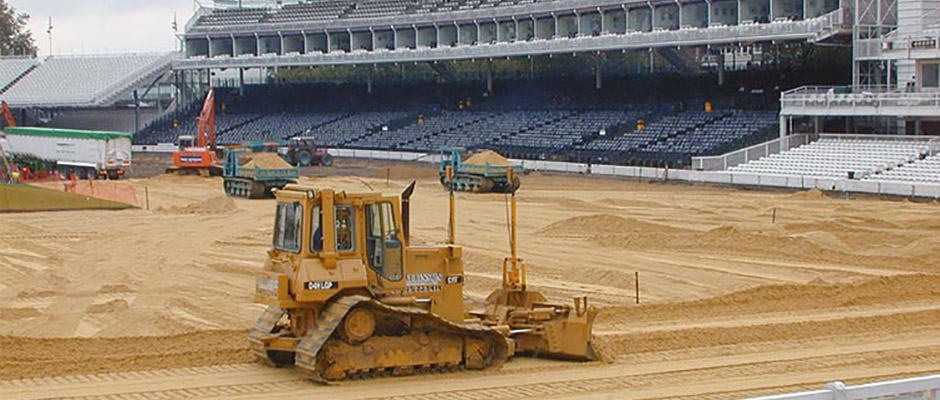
77,81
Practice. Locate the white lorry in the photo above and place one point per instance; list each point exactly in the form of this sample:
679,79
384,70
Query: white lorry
87,154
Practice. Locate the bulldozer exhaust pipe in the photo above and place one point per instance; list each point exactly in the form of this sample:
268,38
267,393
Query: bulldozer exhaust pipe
406,211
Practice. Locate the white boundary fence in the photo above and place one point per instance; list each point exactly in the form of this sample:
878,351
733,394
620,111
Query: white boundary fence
645,173
683,175
921,388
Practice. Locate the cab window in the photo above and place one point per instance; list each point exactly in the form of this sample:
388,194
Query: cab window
383,245
344,228
316,229
287,226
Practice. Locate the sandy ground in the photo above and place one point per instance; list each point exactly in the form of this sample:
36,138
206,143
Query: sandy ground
742,292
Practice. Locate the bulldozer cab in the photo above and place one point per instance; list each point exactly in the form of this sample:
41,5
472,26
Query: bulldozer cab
326,243
341,231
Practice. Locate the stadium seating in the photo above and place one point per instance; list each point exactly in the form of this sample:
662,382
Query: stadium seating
11,69
839,158
83,80
326,10
674,139
926,170
526,119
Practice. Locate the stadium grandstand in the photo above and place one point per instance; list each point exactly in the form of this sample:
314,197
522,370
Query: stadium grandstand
697,85
87,91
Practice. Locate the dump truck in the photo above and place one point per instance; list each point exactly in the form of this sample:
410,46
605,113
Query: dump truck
246,175
298,151
484,172
349,295
87,154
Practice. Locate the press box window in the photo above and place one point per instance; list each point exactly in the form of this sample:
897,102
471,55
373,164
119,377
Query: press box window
287,226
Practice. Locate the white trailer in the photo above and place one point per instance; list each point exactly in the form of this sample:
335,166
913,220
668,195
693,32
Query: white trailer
87,154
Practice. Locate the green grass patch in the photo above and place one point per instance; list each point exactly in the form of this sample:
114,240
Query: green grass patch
24,198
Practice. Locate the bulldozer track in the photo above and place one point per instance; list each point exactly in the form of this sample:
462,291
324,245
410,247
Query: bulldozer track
329,319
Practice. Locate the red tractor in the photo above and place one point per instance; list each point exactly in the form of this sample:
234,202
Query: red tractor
298,151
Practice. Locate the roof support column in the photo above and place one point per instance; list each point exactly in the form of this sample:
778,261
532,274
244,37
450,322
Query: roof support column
598,71
708,13
489,76
679,7
601,13
577,23
554,26
209,46
738,2
535,26
496,22
303,35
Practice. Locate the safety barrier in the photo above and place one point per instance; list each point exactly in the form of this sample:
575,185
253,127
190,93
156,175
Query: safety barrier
926,387
738,157
905,189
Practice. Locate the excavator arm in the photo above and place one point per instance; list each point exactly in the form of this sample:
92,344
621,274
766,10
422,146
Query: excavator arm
8,115
206,136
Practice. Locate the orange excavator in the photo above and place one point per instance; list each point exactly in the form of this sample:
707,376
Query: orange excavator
197,156
8,115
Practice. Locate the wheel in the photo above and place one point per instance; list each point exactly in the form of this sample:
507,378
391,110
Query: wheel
358,325
304,158
327,160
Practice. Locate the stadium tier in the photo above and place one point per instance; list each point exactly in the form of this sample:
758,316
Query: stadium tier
381,31
12,69
77,81
844,158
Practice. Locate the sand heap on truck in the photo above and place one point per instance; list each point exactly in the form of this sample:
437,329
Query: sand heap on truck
264,161
490,157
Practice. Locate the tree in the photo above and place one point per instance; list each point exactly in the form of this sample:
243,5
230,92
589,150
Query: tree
15,37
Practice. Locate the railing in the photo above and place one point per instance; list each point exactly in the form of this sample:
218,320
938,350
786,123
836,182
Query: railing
738,157
833,97
927,387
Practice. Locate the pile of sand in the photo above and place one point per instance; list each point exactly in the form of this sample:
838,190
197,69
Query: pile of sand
267,161
602,224
215,205
490,157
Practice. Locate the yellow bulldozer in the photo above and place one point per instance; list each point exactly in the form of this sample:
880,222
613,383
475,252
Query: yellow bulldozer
349,296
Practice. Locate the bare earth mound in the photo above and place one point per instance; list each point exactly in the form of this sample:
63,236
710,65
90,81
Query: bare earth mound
215,205
603,224
733,304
